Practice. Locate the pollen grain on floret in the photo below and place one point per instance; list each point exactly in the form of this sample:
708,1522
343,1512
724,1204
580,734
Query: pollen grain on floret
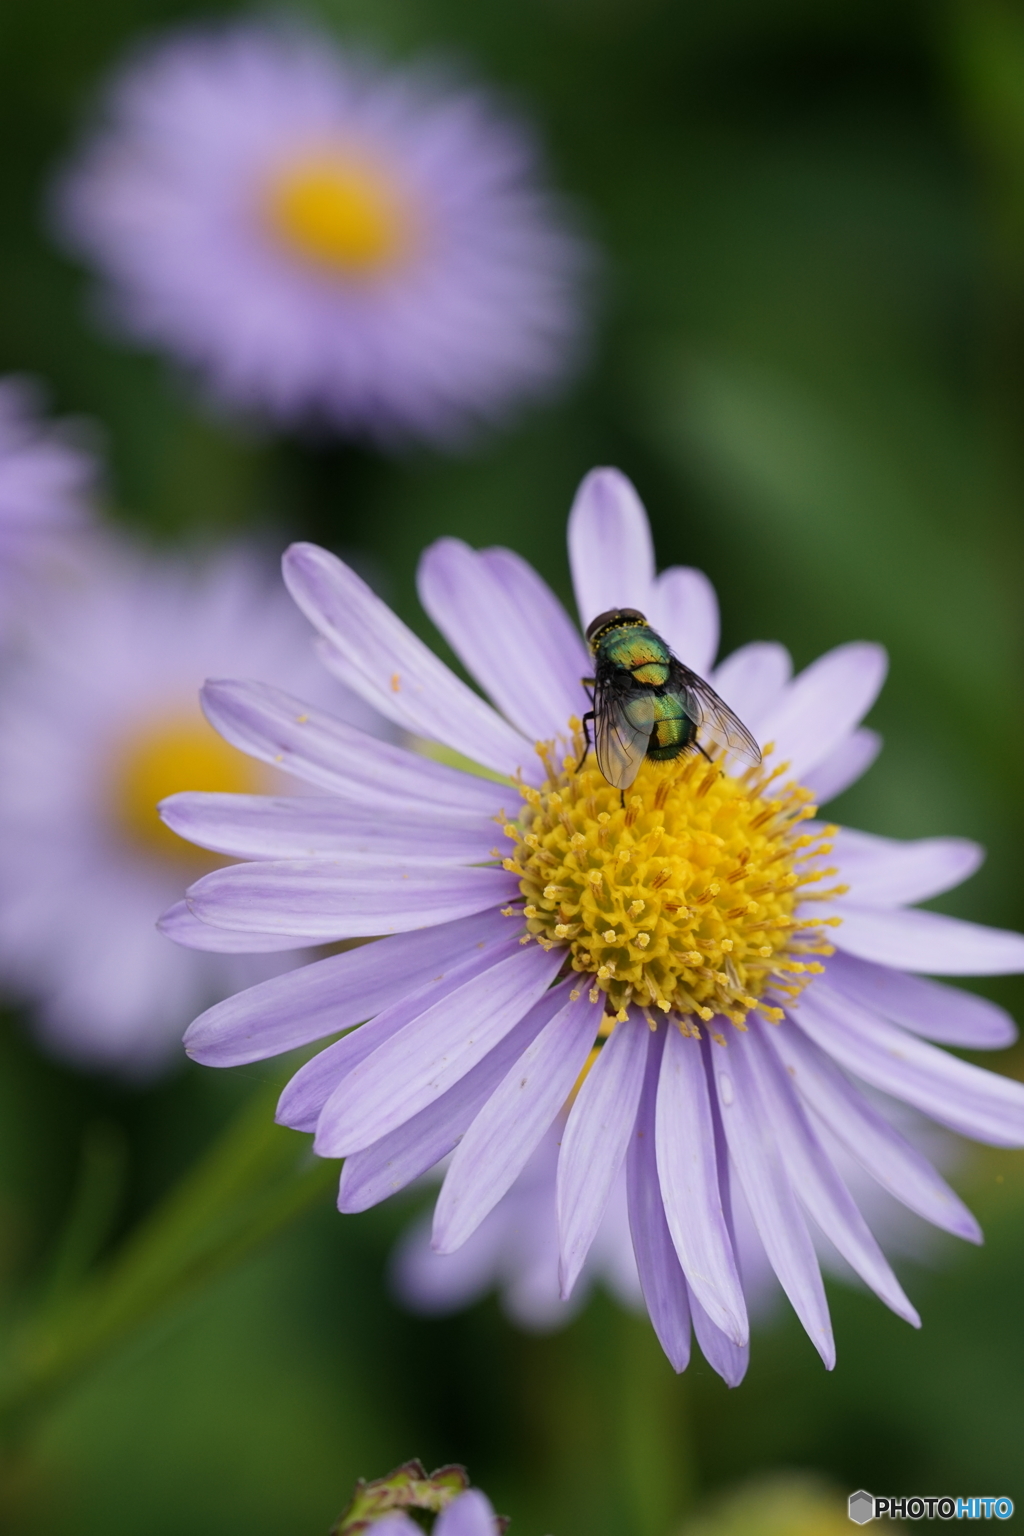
682,899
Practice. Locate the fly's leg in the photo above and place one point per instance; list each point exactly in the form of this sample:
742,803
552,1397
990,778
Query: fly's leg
589,683
586,736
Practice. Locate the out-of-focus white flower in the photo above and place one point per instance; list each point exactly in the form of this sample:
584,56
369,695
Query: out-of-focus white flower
99,718
324,240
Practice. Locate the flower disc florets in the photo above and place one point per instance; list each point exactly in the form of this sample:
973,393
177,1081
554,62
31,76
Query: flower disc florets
681,899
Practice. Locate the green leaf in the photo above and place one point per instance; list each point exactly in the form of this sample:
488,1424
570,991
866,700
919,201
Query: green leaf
254,1180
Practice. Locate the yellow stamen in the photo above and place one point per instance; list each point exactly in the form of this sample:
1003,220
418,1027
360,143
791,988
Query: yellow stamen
705,862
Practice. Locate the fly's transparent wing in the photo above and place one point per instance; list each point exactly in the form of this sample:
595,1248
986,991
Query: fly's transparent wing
713,716
622,732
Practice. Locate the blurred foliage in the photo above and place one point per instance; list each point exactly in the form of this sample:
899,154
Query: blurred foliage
786,1505
811,361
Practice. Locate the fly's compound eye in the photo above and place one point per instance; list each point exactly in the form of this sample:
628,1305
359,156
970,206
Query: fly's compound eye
613,619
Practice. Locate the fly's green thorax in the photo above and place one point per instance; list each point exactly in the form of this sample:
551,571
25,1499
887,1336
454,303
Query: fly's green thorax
638,650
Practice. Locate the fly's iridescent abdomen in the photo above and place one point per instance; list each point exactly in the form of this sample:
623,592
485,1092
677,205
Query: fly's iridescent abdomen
673,730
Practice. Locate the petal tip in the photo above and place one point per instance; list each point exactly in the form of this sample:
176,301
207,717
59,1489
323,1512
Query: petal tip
300,550
606,488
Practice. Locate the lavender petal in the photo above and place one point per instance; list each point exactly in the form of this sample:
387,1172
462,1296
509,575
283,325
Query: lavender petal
947,1014
294,737
333,994
688,1174
594,1143
819,1187
392,669
408,1151
661,1276
308,826
923,941
824,704
179,924
684,611
611,553
753,1147
844,765
306,1093
728,1359
753,679
876,1145
498,1144
983,1105
345,898
428,1056
509,631
886,872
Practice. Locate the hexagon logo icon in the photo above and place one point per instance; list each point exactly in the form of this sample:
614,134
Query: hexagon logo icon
862,1507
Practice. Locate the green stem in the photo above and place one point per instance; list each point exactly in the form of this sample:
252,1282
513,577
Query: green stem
101,1178
654,1431
254,1181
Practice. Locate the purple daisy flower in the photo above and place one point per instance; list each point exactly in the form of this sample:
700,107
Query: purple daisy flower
98,720
323,239
47,479
723,968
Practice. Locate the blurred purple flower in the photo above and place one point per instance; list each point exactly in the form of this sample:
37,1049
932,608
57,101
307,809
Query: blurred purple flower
325,240
515,1251
681,956
47,478
98,720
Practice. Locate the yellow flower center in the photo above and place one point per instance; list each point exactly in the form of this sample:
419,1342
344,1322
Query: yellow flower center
339,212
681,900
169,753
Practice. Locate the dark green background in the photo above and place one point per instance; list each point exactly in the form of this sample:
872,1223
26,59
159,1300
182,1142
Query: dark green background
810,358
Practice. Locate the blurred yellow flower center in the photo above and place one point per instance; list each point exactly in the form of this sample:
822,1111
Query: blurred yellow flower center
340,213
167,754
684,899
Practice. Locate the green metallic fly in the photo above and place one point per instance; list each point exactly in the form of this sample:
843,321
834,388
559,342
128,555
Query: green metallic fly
647,703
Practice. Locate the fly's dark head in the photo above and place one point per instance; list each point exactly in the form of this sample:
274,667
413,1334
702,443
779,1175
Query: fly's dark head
615,618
